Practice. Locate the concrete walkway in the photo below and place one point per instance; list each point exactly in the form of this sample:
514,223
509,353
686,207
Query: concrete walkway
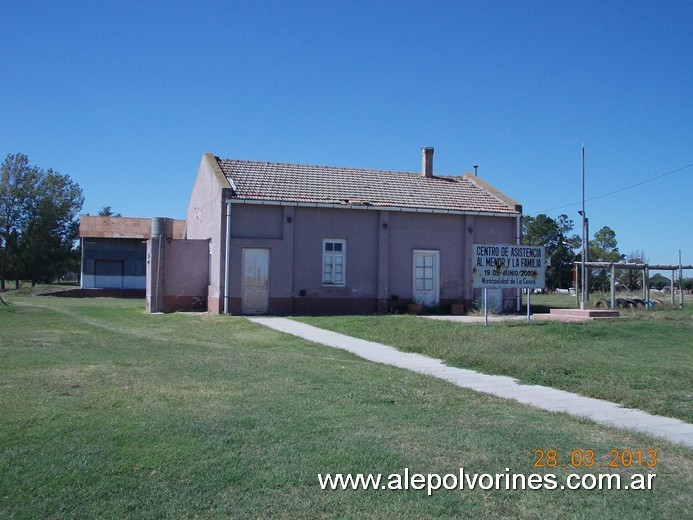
602,412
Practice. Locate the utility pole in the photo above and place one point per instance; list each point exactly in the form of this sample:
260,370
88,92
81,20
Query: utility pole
585,245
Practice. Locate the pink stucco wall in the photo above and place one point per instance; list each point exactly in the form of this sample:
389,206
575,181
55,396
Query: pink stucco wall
205,220
187,275
177,274
380,247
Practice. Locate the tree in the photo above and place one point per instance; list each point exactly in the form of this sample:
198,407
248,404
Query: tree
18,181
107,211
47,246
687,283
631,279
603,248
38,227
542,230
659,281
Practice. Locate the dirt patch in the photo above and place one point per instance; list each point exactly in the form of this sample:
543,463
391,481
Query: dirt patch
97,293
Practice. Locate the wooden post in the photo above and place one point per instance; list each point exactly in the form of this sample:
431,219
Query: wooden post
644,283
485,307
575,284
671,283
613,286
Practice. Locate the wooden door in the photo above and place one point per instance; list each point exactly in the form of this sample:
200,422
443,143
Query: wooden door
255,284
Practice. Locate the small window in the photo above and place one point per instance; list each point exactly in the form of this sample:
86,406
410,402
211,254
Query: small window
334,262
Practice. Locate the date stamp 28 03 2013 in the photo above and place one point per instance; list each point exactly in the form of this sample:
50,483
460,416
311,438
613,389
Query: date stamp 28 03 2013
587,458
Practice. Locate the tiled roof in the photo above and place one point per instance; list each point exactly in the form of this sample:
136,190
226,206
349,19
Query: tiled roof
355,187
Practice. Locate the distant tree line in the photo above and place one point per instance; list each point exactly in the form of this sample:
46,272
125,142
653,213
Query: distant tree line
38,222
560,243
563,247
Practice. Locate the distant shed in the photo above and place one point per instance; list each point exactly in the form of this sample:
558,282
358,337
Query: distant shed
114,250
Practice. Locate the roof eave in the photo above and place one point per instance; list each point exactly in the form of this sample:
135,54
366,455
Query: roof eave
224,181
510,202
403,209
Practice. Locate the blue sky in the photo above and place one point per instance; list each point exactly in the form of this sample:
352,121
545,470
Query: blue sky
126,96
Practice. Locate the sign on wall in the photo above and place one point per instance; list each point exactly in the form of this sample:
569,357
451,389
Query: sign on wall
508,266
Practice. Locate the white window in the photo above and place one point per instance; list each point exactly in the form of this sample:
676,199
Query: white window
334,262
423,273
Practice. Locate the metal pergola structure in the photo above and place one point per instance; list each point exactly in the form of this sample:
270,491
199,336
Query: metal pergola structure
646,276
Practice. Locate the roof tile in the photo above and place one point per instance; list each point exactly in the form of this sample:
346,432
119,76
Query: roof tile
359,187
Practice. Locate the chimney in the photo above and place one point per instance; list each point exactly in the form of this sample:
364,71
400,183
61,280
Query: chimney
427,161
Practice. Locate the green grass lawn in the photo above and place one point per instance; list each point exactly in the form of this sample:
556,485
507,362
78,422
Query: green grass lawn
645,361
107,411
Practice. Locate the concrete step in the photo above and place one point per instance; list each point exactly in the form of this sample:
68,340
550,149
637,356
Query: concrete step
587,313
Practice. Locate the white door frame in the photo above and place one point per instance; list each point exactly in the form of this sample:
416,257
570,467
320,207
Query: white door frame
426,296
255,285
